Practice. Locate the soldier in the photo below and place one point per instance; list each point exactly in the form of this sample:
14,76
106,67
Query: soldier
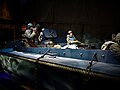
72,42
107,44
71,38
31,34
115,47
41,35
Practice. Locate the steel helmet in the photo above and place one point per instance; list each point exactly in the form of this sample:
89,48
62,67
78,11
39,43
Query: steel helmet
69,31
29,25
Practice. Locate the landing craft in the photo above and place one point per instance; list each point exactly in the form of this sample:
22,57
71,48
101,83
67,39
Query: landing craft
50,68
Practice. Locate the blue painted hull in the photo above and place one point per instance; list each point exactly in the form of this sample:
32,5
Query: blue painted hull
62,69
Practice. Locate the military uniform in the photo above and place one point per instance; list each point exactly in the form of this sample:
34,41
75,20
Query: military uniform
115,47
117,38
70,39
31,36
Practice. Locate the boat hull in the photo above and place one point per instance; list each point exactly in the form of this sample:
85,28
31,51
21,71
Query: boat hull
57,69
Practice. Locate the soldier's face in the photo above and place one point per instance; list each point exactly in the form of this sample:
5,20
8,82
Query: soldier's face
71,34
31,28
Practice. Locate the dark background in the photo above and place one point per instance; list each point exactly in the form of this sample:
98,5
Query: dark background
97,18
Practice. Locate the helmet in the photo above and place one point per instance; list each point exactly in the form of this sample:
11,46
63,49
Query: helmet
69,31
29,25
